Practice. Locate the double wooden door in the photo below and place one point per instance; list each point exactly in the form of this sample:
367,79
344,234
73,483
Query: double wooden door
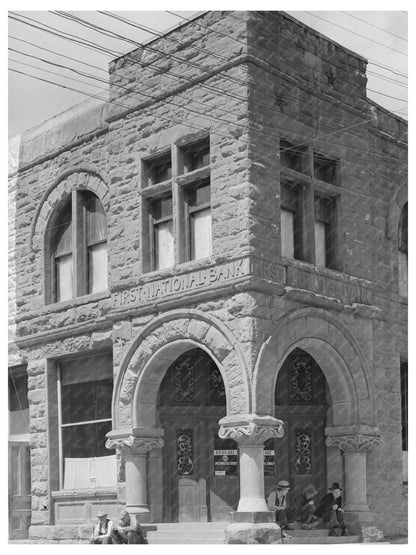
200,471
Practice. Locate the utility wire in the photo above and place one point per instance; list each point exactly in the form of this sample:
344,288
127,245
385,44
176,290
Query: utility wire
243,43
375,26
221,91
215,90
357,34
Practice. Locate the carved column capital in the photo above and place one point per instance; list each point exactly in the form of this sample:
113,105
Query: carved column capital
354,443
135,441
250,428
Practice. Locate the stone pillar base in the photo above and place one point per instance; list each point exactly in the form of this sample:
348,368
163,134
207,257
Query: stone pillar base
253,516
143,518
253,532
363,524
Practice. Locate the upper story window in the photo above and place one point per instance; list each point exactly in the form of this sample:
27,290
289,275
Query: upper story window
403,256
325,169
198,202
77,249
177,205
309,206
161,235
293,157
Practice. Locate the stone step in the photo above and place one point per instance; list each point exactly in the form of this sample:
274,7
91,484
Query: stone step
322,539
174,540
220,525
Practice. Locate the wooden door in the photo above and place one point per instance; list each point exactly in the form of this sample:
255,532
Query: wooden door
186,463
300,456
19,493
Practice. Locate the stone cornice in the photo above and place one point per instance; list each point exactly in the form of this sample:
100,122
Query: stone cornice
250,428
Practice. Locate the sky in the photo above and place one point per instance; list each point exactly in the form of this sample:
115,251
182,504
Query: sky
379,36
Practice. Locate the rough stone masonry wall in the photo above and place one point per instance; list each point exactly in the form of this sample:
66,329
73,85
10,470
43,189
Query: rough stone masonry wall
329,94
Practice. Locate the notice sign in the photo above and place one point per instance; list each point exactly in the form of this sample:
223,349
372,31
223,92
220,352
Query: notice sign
269,462
225,462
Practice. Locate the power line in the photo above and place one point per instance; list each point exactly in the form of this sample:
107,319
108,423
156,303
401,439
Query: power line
153,98
388,68
357,34
375,26
175,75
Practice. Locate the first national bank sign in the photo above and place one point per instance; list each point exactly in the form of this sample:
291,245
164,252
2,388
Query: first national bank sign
175,285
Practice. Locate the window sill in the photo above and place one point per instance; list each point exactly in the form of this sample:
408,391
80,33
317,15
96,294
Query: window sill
77,301
64,305
321,270
83,493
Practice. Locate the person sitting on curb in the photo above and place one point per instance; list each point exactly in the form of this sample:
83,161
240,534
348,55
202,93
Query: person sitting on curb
330,511
277,500
124,532
103,531
306,508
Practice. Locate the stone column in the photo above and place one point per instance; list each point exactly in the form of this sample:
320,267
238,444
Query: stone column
135,445
250,432
354,447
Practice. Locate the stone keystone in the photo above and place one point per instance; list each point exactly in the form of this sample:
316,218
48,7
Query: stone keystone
250,428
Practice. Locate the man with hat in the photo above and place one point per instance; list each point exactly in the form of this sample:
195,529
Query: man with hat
277,500
306,508
330,511
102,532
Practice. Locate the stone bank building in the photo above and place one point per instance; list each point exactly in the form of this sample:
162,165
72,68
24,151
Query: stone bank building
209,287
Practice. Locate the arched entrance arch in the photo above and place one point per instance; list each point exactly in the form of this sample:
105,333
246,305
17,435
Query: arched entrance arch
137,427
157,346
337,353
353,430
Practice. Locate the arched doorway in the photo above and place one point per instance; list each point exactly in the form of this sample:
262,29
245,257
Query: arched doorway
301,400
200,480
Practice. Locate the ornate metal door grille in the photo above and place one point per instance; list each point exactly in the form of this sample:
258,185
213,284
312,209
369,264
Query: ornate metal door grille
185,451
301,378
303,450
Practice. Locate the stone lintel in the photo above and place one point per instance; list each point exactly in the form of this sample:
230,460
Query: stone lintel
250,428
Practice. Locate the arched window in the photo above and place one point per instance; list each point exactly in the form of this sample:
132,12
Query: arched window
403,252
77,253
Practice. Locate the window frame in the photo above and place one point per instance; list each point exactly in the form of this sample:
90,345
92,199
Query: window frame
60,424
189,215
153,226
80,248
309,189
402,253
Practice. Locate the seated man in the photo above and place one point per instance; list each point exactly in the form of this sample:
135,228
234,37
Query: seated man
124,532
330,511
277,500
103,531
306,508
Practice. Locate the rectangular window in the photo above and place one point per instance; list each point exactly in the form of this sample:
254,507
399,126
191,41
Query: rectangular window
18,402
324,233
293,157
64,277
96,244
197,156
325,169
291,222
159,170
198,200
85,389
162,232
288,235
